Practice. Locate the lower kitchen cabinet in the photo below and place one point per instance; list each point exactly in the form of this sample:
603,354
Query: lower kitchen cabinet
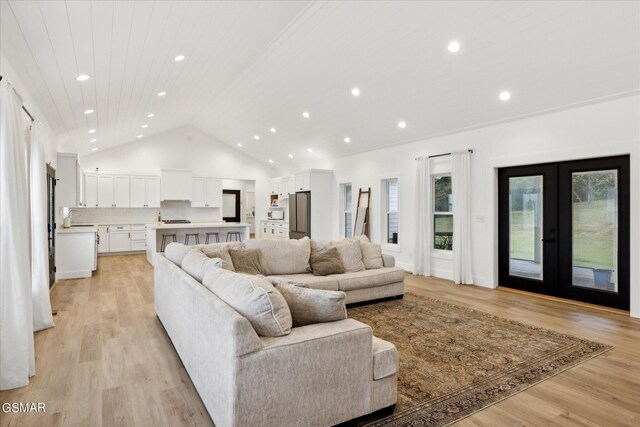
119,241
103,239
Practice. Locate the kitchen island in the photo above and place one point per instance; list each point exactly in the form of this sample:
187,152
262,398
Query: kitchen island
156,230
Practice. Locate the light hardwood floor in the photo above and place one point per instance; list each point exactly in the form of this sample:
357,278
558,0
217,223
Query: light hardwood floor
109,362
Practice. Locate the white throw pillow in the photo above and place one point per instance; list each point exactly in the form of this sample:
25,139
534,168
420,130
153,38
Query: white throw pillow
309,306
350,255
254,298
196,264
371,255
282,256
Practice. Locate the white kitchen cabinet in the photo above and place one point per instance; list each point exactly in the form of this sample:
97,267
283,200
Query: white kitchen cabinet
303,182
145,191
119,239
67,180
105,191
153,191
214,193
121,191
103,239
199,193
90,198
275,230
207,193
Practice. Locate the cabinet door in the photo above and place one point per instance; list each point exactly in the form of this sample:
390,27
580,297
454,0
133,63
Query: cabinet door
272,186
214,193
90,190
198,198
153,192
119,241
121,191
103,240
303,182
105,191
138,191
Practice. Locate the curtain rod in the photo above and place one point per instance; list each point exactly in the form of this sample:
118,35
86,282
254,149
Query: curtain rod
439,155
24,108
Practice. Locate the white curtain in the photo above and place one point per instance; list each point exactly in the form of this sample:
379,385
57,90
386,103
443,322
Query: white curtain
461,191
17,361
42,317
422,264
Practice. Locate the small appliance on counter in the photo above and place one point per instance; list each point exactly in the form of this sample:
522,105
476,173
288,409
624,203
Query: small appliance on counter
276,214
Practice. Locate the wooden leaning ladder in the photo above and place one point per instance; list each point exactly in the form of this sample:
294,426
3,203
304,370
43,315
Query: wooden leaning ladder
361,225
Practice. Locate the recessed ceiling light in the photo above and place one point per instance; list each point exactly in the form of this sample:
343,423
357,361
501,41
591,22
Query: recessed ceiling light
82,77
150,115
273,130
402,125
92,131
505,96
163,93
256,137
89,111
178,58
270,161
306,115
139,136
145,126
355,91
310,150
93,140
453,46
291,156
94,149
347,140
239,145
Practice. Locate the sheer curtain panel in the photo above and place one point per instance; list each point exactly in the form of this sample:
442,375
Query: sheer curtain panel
461,192
17,362
424,231
42,317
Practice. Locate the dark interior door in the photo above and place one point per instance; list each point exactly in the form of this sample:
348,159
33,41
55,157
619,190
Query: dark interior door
527,214
231,205
51,222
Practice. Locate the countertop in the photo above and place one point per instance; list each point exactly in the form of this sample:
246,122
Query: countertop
73,230
281,221
162,226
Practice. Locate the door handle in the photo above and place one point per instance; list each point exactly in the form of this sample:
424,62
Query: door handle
550,240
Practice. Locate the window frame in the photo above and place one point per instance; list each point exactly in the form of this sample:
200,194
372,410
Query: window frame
435,213
385,212
345,208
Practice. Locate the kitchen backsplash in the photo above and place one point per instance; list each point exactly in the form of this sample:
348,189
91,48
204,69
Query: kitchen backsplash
168,210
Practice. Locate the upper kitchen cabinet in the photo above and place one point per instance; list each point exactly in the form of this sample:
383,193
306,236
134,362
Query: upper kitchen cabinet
176,184
207,193
90,198
67,180
106,191
302,182
121,191
145,191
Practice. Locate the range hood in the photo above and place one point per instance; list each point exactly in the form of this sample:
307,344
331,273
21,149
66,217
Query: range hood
176,185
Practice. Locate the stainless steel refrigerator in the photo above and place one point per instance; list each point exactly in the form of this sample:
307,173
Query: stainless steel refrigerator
300,215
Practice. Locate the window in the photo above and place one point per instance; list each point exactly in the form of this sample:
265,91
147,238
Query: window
442,213
346,210
390,198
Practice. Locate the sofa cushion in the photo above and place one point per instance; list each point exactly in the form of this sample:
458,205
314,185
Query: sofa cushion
371,255
175,252
385,359
282,256
246,260
370,278
326,262
328,283
350,255
309,306
220,250
196,264
254,298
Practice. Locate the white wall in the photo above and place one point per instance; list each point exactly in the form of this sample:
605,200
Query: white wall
603,129
185,148
7,71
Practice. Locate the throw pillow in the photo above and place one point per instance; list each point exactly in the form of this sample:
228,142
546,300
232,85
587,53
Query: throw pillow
309,306
220,252
214,247
282,256
350,255
371,255
196,264
326,262
246,260
254,298
175,252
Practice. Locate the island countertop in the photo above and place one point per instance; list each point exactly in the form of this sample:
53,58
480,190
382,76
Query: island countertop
75,230
163,226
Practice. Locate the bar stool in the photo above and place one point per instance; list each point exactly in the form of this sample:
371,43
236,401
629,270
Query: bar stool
196,237
211,233
164,240
235,235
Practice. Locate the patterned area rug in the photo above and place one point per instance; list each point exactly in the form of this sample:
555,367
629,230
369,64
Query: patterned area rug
455,361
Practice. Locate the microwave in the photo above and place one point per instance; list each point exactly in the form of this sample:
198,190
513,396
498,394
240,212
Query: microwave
275,214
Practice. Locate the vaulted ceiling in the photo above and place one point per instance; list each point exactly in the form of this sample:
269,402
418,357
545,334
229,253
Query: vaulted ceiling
253,66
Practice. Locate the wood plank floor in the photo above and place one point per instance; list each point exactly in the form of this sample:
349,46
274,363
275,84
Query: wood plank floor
108,362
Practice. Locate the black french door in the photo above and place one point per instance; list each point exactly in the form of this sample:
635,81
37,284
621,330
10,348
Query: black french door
564,229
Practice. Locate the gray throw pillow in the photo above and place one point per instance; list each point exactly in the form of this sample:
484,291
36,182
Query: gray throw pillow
326,262
309,306
371,255
246,260
350,255
222,253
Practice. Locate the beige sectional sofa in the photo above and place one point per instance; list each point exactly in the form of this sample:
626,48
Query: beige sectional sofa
317,375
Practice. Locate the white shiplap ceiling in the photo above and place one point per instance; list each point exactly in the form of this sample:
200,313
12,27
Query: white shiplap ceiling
251,66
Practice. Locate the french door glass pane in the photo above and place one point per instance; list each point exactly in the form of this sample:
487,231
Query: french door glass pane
594,214
525,226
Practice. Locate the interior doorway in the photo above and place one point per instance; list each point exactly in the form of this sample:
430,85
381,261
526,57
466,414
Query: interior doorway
564,229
